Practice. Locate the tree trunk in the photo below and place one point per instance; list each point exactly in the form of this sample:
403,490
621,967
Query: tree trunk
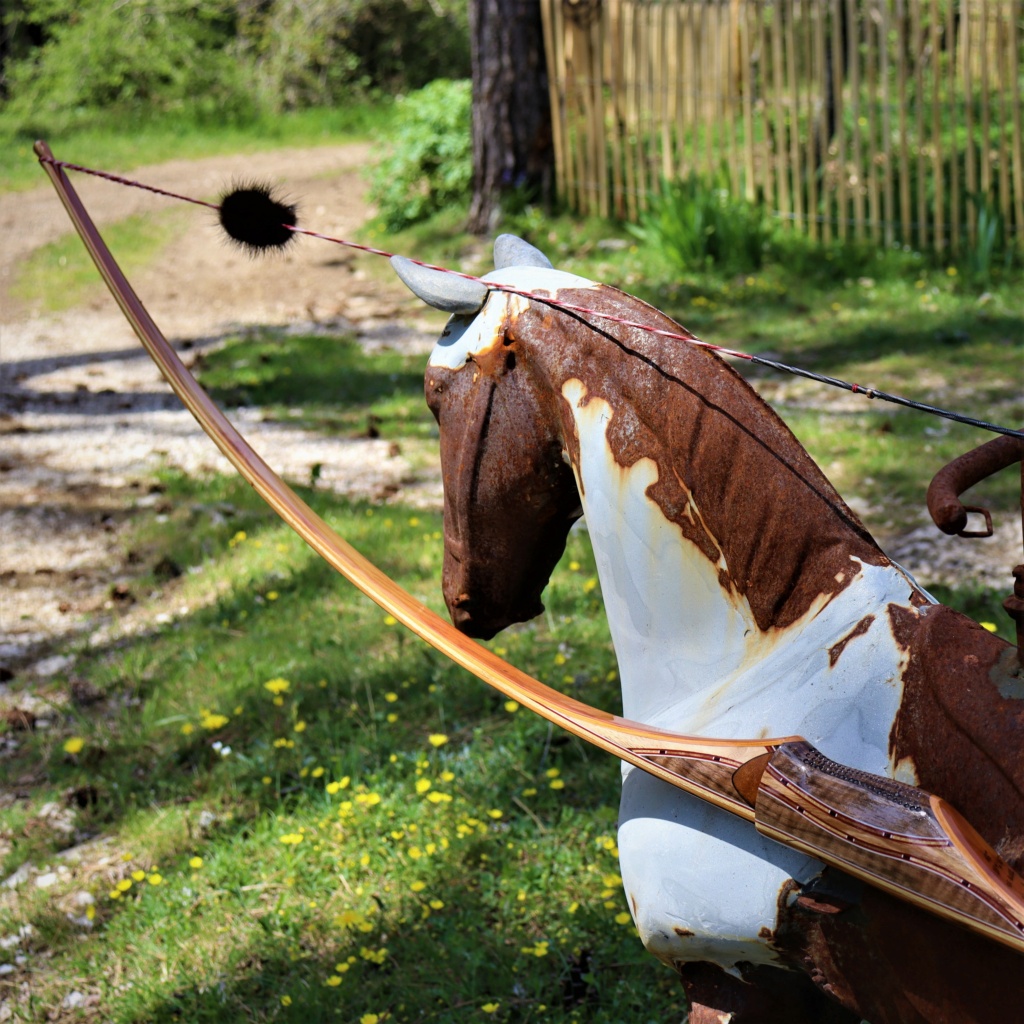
511,112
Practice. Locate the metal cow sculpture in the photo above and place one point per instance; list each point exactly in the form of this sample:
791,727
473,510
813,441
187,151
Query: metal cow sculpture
745,598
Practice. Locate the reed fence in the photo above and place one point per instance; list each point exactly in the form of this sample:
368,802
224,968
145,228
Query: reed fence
896,121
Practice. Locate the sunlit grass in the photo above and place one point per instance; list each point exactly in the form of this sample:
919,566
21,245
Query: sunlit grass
299,800
60,275
111,144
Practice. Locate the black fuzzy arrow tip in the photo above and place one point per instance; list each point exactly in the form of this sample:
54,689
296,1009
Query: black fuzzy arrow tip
257,219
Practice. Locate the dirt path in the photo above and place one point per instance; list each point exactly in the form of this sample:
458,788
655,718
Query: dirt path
85,417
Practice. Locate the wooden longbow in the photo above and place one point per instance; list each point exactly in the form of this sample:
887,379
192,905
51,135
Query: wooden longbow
897,837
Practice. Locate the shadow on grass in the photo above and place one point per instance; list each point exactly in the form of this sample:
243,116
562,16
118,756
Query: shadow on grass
311,372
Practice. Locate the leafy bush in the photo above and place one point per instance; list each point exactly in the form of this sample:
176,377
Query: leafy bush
171,56
696,223
72,63
431,164
311,52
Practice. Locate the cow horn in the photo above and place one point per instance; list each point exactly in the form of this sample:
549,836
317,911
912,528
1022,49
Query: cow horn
511,251
439,289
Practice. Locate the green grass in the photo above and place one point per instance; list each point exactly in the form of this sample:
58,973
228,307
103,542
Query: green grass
61,275
107,143
324,383
320,840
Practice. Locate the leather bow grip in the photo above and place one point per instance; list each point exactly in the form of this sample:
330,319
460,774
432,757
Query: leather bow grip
944,504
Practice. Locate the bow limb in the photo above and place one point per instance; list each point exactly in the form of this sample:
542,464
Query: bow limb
897,838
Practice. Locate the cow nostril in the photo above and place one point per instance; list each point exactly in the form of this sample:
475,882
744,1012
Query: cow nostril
462,601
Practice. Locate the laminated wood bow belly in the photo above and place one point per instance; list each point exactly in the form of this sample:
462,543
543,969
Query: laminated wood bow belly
891,835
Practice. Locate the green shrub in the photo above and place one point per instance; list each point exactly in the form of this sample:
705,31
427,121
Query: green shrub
697,224
315,52
79,63
431,164
165,57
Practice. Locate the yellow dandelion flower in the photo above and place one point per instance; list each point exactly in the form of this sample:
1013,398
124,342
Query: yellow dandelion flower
494,813
990,626
155,879
573,907
392,718
511,706
342,967
317,772
187,729
437,739
447,776
414,521
272,595
125,884
574,567
437,904
277,686
334,981
390,620
553,773
556,784
391,697
74,745
300,726
369,1018
490,1007
196,863
267,780
138,875
422,785
623,918
560,658
435,796
114,894
286,1000
292,838
212,721
418,886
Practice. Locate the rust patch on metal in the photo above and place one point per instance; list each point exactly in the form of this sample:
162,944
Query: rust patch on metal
963,735
836,650
713,438
891,963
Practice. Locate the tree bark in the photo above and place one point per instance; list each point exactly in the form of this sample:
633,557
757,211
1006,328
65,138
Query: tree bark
511,112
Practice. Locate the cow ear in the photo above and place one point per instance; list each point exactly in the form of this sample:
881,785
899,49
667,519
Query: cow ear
512,251
437,288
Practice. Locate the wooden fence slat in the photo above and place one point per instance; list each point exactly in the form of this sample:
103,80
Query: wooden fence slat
745,77
1015,101
838,113
954,160
917,55
939,204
